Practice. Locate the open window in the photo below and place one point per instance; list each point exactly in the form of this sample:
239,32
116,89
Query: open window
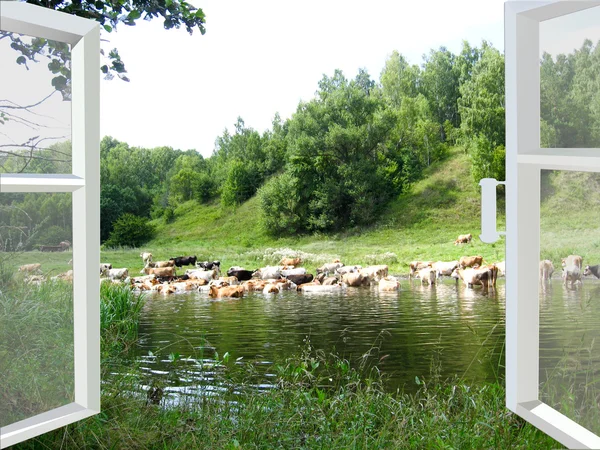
536,32
49,159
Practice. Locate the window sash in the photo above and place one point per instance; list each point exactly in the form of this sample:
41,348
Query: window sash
84,183
524,162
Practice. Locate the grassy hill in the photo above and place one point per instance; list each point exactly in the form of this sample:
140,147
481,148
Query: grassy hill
421,224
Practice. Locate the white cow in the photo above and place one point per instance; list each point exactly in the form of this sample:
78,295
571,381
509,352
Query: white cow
116,274
269,272
207,275
444,268
146,258
298,271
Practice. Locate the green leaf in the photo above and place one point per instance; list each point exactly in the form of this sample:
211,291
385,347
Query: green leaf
200,14
59,83
417,381
104,68
135,14
21,60
108,28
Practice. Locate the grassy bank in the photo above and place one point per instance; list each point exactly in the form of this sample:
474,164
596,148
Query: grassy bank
317,401
421,224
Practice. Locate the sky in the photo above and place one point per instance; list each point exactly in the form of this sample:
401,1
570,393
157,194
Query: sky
259,58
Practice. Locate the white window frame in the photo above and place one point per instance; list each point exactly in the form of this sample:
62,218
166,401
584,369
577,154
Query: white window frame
524,162
84,184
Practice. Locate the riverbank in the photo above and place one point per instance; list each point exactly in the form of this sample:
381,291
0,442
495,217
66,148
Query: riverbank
318,401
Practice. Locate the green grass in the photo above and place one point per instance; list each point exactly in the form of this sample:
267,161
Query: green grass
318,401
36,348
420,224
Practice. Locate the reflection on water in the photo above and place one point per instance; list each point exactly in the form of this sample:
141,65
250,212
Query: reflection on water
403,332
459,329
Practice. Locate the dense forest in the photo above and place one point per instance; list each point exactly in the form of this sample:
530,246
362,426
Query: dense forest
341,157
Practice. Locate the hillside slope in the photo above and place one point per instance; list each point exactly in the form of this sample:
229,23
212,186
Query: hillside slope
420,224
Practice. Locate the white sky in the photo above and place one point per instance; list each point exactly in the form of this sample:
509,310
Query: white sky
258,58
261,57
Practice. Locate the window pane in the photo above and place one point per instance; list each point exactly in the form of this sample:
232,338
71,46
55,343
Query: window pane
36,305
35,106
569,89
570,312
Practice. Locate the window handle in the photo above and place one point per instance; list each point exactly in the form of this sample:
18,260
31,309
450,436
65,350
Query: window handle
489,234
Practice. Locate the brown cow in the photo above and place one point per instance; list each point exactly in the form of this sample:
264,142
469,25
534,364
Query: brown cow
160,271
355,279
389,284
493,273
30,268
254,285
271,289
470,261
427,274
546,270
226,291
418,265
290,261
463,239
572,260
471,277
159,264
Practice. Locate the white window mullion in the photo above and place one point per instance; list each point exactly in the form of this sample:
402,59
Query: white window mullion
86,218
40,183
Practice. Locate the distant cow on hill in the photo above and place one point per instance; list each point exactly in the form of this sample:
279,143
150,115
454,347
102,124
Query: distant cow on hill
463,239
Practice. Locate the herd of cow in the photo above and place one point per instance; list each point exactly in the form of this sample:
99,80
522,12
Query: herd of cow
205,276
572,270
161,276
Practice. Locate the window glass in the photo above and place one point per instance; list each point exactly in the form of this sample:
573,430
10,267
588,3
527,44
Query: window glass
570,80
35,106
36,304
570,295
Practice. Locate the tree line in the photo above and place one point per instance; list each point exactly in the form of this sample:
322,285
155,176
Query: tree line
352,148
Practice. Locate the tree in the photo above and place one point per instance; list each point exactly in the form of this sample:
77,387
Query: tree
482,99
399,80
109,14
482,111
339,169
440,86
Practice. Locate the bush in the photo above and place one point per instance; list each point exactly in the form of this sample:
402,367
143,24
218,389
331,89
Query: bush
241,183
130,231
169,215
488,161
281,207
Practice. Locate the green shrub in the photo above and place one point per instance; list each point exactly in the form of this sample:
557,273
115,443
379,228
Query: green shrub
169,215
241,183
130,231
281,208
